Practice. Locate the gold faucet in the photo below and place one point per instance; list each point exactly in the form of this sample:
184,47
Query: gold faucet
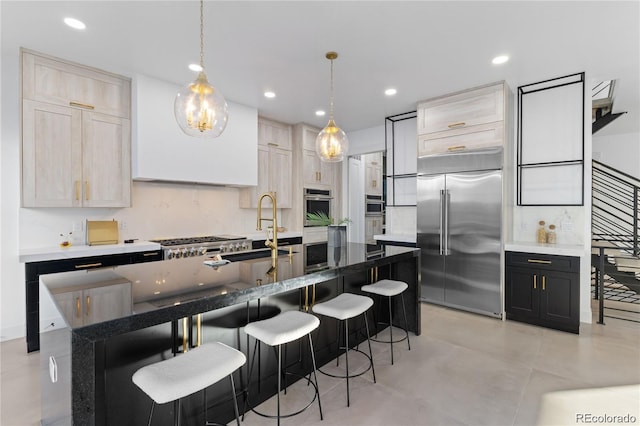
273,245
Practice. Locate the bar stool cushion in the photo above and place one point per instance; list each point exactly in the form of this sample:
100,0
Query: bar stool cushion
386,287
188,373
283,328
344,306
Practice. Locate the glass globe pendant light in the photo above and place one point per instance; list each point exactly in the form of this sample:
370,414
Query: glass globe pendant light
332,143
200,108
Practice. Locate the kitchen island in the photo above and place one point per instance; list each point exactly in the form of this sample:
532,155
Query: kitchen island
175,304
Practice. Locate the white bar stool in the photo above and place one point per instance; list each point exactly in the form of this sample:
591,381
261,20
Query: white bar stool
188,373
281,329
343,307
391,288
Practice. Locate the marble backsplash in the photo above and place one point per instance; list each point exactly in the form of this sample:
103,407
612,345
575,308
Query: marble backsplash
159,210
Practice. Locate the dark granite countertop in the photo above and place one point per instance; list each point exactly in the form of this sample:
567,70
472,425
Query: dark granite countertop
172,289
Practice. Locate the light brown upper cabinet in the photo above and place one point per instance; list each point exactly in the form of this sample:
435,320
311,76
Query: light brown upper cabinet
373,174
76,135
472,119
316,173
275,160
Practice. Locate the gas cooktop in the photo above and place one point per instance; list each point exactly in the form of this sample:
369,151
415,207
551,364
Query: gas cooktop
176,248
196,240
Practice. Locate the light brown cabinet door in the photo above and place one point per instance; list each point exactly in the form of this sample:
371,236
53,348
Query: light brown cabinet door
76,135
460,110
64,83
106,148
51,155
274,175
272,133
280,175
476,137
373,178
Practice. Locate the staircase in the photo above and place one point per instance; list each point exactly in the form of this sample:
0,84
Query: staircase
615,242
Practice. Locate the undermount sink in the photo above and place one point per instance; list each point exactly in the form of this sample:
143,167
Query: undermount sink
254,254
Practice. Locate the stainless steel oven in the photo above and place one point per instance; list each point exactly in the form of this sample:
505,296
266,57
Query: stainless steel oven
374,205
316,201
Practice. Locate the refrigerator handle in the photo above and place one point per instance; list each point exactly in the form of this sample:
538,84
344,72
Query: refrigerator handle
445,231
441,222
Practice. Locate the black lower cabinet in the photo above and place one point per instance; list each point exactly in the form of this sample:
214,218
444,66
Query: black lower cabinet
543,290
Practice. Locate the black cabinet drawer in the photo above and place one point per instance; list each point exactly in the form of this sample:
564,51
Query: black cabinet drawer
147,256
258,244
544,261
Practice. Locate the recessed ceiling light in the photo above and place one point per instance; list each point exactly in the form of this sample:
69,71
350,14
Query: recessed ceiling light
390,92
500,59
320,113
195,67
74,23
269,95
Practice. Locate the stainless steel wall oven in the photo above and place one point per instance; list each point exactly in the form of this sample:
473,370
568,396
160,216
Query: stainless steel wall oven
374,205
317,201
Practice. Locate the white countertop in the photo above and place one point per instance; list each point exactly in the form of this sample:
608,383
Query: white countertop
58,253
558,249
401,238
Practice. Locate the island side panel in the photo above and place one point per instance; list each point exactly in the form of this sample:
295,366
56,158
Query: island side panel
408,270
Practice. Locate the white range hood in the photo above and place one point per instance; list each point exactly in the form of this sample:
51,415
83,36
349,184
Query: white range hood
162,152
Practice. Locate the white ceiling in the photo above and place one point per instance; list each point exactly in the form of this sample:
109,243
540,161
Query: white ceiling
422,48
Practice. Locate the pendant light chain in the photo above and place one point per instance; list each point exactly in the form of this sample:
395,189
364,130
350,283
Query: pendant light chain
331,94
202,34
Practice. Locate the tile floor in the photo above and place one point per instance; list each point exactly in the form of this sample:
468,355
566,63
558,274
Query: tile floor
464,369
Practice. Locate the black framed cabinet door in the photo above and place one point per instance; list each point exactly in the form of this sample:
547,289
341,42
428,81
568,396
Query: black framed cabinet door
523,300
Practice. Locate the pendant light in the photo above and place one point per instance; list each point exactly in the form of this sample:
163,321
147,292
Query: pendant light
332,143
200,109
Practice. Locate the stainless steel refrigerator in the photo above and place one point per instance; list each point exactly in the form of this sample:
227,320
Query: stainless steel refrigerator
459,229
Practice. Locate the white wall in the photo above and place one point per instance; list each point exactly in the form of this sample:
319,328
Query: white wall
366,140
621,152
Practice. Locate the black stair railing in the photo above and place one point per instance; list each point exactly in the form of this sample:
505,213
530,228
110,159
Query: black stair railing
615,200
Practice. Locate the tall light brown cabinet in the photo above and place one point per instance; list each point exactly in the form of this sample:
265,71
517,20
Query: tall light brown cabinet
76,135
274,166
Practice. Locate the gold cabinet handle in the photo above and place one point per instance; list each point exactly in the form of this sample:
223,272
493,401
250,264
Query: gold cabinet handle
544,282
88,265
86,190
150,254
535,281
88,306
545,262
456,148
272,144
77,307
77,185
458,124
81,105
